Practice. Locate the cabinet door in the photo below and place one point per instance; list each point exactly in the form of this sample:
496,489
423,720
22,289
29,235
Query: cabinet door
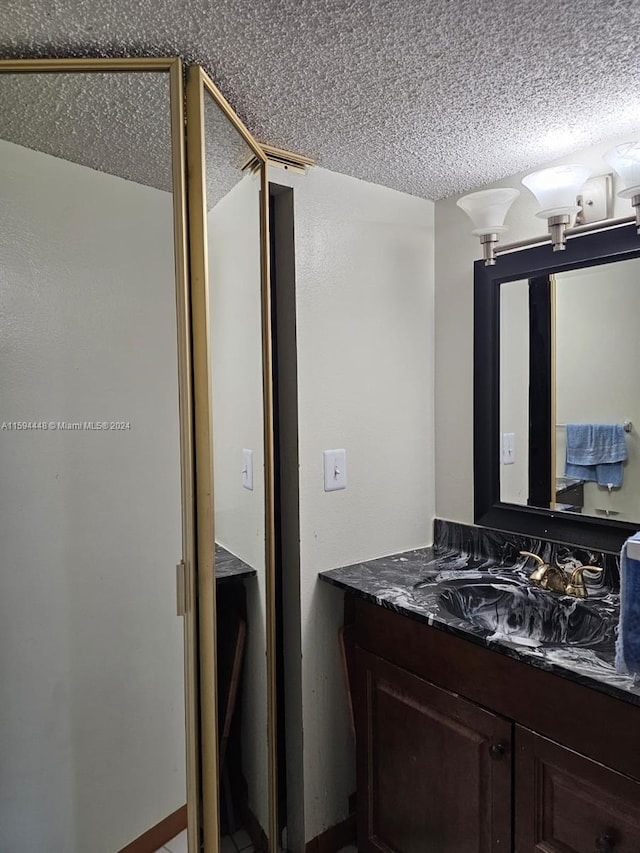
434,771
566,803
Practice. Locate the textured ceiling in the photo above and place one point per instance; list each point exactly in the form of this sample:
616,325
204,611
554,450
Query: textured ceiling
225,153
116,123
428,96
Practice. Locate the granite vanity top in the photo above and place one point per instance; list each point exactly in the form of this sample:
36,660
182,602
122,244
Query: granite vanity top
432,584
229,567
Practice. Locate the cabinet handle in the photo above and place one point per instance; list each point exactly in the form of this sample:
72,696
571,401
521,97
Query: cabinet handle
497,751
606,842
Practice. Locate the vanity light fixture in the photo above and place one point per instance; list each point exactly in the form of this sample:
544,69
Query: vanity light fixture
625,161
556,190
487,211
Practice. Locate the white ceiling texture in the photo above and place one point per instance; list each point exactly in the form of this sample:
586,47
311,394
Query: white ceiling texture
432,97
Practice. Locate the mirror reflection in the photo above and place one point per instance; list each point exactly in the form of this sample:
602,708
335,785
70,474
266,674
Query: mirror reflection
235,291
514,391
593,404
92,720
597,463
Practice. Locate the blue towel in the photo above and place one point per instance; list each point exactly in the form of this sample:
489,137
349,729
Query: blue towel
628,642
595,453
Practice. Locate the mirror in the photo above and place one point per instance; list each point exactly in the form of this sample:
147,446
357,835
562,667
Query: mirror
596,381
94,439
554,346
228,235
590,381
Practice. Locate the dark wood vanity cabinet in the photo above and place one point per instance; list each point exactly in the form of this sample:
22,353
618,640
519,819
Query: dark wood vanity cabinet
566,803
483,772
436,768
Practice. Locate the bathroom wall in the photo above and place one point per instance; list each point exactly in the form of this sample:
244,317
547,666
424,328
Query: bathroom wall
236,356
456,249
598,353
364,293
91,651
514,388
236,368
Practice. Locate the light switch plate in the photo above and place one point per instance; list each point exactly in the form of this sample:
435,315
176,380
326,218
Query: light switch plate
508,448
335,470
247,469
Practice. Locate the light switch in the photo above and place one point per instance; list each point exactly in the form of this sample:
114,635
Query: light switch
247,469
335,470
508,448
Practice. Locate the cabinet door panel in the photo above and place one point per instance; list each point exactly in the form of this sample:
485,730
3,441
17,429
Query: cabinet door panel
566,803
434,771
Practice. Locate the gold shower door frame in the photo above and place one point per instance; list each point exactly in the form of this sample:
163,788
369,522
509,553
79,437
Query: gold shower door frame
187,569
199,83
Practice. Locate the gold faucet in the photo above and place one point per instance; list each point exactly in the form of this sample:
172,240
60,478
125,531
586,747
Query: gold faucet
556,579
576,585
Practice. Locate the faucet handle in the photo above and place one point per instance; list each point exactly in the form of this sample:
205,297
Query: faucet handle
537,558
538,574
576,585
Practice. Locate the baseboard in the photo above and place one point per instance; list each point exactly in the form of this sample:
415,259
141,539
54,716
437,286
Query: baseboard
334,838
156,837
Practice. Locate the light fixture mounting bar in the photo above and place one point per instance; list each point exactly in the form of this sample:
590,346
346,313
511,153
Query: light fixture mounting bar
635,201
602,225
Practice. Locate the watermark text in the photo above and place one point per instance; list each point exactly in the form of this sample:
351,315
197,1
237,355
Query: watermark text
65,426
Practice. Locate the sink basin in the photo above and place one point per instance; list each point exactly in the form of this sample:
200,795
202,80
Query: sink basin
525,615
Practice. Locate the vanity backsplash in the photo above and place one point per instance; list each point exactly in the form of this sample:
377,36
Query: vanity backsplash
482,544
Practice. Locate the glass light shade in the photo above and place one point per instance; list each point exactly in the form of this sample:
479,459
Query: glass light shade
625,160
487,209
556,189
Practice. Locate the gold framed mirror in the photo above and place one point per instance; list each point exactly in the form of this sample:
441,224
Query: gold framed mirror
228,223
96,459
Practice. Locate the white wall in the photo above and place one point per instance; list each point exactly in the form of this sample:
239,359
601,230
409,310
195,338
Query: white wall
597,359
456,249
364,291
92,710
236,356
514,388
236,368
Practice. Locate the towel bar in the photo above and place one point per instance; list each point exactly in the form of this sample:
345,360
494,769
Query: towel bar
627,426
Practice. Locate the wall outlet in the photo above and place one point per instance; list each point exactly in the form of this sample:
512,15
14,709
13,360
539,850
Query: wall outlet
335,470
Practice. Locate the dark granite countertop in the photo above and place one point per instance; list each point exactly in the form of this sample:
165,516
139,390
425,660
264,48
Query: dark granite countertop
229,567
570,637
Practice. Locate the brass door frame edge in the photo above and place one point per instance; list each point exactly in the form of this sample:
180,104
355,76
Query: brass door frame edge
228,110
187,463
281,155
281,159
112,64
203,448
198,82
